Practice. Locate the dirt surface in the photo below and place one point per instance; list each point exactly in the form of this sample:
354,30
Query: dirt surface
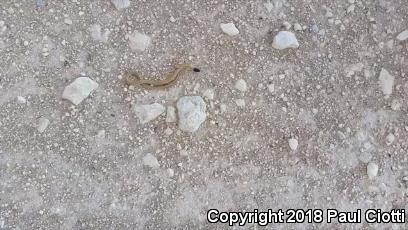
95,166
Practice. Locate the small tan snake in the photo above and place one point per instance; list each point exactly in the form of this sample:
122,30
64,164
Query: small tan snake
134,79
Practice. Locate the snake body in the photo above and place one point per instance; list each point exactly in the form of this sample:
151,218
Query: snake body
134,79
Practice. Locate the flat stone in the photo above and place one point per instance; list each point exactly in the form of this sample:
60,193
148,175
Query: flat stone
209,94
386,81
229,28
121,4
171,114
42,124
191,113
79,89
139,41
241,85
293,143
148,112
240,103
285,40
150,161
403,35
372,170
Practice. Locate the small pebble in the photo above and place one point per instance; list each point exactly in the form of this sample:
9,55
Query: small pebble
229,29
372,170
403,35
171,114
223,108
139,41
68,21
21,100
386,82
240,103
285,40
97,35
390,139
170,172
191,113
168,131
293,143
151,161
79,89
241,85
209,94
297,27
120,4
271,88
396,105
148,112
287,25
42,124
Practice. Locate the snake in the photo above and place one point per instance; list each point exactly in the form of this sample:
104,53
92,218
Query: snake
134,79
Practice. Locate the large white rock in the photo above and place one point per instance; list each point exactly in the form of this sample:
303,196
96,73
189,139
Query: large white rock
191,113
403,35
229,28
120,4
148,112
79,89
284,40
372,170
151,161
386,81
139,41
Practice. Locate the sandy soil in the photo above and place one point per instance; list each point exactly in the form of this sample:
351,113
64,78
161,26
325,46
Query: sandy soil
84,167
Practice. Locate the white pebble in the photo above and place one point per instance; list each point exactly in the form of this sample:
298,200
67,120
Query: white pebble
139,41
79,89
229,28
390,139
191,113
68,21
297,27
293,143
209,94
148,112
223,108
386,81
240,103
396,104
21,100
271,88
372,170
403,35
287,25
151,161
284,40
171,114
170,172
97,35
42,124
241,85
121,4
168,131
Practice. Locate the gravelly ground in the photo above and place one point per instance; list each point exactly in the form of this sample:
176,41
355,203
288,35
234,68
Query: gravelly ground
85,171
